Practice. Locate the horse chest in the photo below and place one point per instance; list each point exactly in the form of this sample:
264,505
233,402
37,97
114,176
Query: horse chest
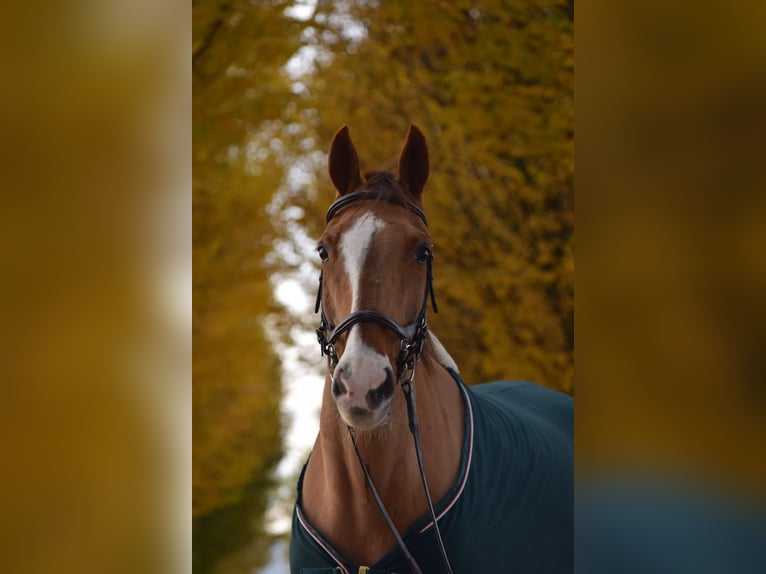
511,507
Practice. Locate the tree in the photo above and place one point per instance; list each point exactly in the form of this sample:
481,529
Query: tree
492,88
240,91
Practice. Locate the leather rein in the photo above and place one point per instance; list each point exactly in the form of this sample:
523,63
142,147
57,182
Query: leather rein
412,338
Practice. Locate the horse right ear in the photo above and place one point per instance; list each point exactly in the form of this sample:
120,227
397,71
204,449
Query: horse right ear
343,163
413,162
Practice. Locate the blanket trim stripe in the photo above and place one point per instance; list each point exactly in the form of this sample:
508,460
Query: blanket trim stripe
459,492
464,479
318,539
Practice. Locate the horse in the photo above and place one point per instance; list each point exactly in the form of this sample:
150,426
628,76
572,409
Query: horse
497,458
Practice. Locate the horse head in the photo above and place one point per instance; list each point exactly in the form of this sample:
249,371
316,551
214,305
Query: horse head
376,263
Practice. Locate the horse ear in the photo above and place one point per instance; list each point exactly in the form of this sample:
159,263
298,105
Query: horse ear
343,163
413,162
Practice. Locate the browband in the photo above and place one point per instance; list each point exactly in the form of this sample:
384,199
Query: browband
343,201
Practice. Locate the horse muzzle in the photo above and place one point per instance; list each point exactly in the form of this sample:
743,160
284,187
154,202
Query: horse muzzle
363,398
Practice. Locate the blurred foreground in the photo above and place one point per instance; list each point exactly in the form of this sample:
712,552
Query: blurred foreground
94,220
671,287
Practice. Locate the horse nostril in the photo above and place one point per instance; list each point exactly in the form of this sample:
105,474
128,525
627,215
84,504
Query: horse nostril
339,380
383,392
338,388
342,372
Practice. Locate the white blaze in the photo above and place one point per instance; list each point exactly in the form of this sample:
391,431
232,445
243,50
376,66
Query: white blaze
354,246
367,365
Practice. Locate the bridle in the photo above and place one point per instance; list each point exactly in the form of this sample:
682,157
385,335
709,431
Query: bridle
411,336
411,340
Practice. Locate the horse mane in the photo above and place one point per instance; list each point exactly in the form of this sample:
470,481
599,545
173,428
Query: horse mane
440,353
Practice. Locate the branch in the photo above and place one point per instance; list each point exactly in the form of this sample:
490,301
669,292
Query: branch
207,41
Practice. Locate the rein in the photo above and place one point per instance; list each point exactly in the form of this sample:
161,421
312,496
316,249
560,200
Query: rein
412,338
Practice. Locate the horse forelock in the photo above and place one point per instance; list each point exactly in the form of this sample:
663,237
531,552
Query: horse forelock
385,183
381,177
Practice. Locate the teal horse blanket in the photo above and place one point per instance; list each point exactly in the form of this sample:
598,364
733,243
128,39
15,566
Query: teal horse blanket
511,508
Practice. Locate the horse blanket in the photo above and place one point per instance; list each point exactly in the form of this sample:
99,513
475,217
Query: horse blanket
511,508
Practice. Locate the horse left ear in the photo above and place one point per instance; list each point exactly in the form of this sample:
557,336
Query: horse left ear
413,162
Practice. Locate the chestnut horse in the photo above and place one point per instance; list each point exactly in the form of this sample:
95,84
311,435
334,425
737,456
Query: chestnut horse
497,458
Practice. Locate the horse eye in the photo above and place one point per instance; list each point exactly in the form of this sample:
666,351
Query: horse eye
422,253
323,254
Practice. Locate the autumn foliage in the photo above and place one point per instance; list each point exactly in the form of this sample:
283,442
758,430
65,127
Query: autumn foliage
491,86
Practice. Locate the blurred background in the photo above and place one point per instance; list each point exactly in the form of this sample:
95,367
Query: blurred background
95,276
491,85
671,287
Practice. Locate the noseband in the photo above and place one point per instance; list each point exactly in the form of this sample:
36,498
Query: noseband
411,340
411,336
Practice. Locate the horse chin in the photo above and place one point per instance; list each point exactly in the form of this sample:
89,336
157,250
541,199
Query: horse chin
363,419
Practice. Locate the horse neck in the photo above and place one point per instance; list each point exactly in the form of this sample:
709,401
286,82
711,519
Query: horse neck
336,495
